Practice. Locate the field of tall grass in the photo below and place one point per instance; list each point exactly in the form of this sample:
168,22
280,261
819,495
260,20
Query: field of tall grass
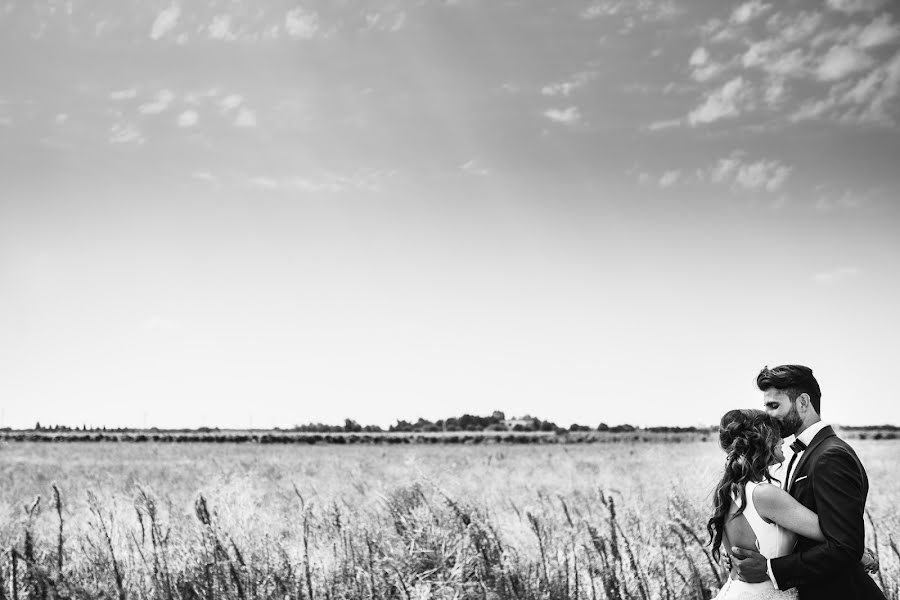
172,521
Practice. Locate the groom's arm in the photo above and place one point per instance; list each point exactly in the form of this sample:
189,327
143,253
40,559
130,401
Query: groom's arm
839,490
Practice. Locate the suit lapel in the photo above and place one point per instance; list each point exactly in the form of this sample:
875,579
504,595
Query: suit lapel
825,433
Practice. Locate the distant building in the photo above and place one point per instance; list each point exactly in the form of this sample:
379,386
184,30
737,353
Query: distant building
524,423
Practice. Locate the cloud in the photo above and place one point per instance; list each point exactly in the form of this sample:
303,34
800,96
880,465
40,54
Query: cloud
879,32
125,134
646,11
841,61
669,178
188,118
854,6
793,29
565,88
702,68
837,275
725,102
265,183
230,102
245,118
205,176
301,24
749,11
160,103
569,115
699,57
165,21
846,201
764,174
126,94
362,179
472,168
220,29
666,124
740,174
775,93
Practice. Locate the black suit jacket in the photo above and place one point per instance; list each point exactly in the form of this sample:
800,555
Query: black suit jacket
831,482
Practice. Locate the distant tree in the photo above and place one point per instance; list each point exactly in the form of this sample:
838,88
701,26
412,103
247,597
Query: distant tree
37,426
602,427
577,427
351,426
498,415
625,428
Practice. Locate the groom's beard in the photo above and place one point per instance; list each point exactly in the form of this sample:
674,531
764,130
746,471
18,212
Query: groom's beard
791,422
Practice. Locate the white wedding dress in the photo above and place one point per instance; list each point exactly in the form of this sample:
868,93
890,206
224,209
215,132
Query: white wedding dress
772,541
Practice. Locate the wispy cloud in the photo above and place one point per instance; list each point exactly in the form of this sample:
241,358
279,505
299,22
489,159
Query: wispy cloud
245,118
703,68
749,11
126,94
367,179
881,31
841,61
301,23
569,115
264,183
125,134
188,118
165,22
846,200
220,29
230,102
473,168
741,174
205,176
565,88
723,103
669,178
835,276
854,6
390,21
664,124
646,11
160,103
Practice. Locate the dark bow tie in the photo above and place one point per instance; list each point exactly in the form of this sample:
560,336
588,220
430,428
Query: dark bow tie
798,446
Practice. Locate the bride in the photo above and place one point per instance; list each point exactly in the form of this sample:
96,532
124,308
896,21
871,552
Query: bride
749,510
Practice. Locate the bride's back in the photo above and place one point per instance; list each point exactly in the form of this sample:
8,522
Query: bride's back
750,530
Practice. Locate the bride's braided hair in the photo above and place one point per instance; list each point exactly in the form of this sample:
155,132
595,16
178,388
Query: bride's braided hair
748,437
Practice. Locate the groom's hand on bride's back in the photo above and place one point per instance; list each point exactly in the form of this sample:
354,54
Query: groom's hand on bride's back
750,564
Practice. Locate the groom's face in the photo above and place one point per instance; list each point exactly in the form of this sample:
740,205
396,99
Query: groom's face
779,405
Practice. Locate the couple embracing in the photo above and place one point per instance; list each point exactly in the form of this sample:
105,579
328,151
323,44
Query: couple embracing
800,536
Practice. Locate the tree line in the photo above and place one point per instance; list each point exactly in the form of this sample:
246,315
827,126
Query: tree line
497,421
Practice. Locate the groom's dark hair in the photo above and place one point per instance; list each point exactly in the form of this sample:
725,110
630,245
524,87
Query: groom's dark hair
792,380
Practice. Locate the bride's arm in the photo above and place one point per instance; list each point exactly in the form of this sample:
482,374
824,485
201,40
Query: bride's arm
776,505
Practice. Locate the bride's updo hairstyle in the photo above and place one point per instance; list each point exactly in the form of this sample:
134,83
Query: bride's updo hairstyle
749,438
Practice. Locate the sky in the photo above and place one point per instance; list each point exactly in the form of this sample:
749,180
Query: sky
238,214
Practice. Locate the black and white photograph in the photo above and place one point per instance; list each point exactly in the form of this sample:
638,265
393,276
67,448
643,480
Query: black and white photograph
449,299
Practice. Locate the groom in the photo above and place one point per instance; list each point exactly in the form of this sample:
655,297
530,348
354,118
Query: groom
825,476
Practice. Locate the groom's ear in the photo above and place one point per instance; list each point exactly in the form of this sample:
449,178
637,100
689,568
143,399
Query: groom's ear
803,402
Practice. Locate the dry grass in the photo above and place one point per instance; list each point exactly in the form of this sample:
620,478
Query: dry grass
246,521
